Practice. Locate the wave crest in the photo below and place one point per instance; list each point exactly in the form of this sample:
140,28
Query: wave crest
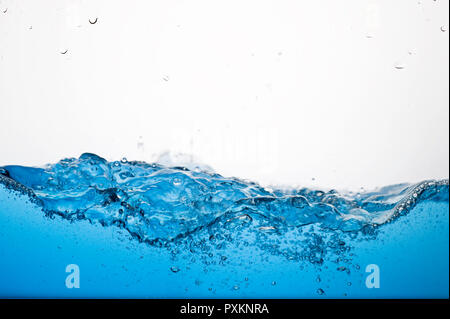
158,203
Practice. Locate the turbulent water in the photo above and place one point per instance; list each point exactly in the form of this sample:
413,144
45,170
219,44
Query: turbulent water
149,230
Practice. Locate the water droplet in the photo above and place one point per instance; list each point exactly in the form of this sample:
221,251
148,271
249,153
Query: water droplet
64,52
93,21
166,78
116,164
6,10
274,283
235,287
399,66
174,269
320,291
349,284
177,181
124,160
443,29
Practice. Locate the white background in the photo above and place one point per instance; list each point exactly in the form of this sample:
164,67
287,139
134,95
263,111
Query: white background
327,93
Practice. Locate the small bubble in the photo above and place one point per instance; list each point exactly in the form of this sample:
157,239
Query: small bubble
443,29
320,291
246,278
93,21
124,160
399,67
235,287
177,181
349,284
64,52
274,283
116,164
174,269
166,78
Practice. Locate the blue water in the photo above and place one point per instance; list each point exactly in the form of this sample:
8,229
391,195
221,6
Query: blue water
139,230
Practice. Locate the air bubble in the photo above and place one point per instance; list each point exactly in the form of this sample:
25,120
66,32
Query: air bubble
174,269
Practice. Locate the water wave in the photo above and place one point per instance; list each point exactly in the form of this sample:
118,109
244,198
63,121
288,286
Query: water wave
161,205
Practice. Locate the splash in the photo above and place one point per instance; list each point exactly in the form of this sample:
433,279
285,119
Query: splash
198,215
158,204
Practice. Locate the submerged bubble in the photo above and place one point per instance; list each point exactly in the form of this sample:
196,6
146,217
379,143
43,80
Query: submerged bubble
177,181
236,287
320,291
174,269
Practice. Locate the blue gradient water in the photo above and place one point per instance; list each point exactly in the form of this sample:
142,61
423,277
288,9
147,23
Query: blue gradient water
146,230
